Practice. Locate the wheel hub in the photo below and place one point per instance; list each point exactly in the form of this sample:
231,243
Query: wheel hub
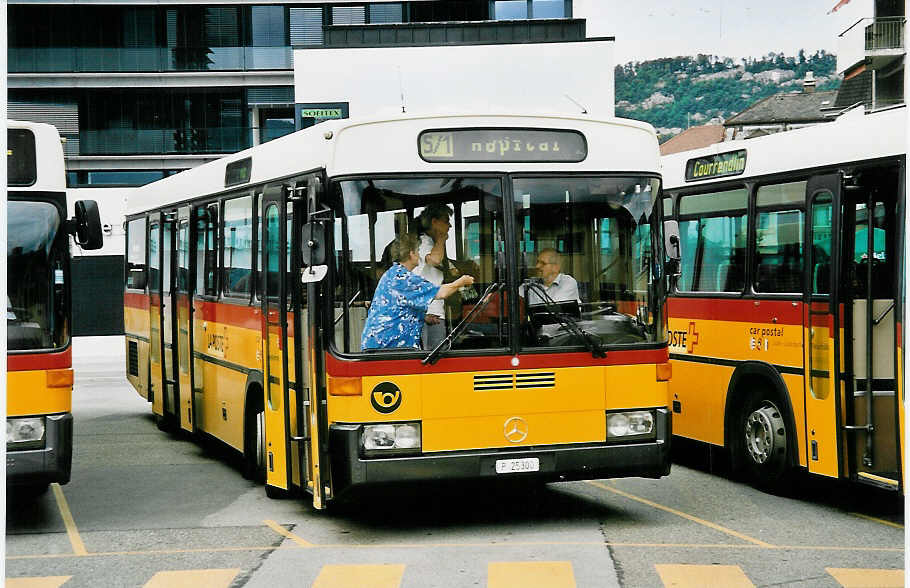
765,433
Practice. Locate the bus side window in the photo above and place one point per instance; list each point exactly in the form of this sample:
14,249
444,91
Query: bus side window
238,246
207,250
135,254
779,238
713,248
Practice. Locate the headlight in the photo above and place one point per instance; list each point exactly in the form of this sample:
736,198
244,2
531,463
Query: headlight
628,426
26,433
391,439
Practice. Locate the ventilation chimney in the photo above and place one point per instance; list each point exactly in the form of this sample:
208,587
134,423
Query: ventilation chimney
809,83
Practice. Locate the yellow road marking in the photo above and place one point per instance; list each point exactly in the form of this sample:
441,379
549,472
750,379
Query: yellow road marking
45,582
266,548
282,531
860,578
530,574
877,520
193,578
71,530
693,576
354,576
678,513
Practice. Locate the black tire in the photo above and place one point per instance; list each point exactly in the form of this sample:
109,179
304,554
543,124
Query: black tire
254,447
762,442
166,424
275,492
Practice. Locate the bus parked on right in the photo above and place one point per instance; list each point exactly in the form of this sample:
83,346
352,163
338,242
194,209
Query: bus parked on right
785,319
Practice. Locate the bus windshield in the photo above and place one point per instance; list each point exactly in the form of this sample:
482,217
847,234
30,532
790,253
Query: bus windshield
587,256
585,247
36,304
373,212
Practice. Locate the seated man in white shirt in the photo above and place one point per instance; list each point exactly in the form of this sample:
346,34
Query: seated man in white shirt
559,287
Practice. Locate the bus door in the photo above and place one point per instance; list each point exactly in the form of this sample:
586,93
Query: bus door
822,326
184,309
275,337
308,418
169,383
154,287
870,284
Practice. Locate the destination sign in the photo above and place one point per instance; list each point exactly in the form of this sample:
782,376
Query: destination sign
731,163
495,145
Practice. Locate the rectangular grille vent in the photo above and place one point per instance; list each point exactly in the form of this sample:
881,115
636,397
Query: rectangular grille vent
510,381
134,358
541,380
494,382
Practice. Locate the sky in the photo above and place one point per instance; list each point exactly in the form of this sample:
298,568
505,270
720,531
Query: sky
650,29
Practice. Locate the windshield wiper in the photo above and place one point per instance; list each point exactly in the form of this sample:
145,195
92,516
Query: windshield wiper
567,321
485,298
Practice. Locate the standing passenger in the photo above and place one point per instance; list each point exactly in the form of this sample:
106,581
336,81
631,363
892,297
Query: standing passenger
434,266
402,296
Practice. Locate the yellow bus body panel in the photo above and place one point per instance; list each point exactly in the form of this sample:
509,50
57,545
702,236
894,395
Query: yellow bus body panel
701,387
455,416
27,394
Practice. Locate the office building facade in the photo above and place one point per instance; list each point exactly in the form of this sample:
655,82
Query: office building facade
141,90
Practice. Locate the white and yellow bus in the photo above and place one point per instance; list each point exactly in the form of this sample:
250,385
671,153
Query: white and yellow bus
250,278
786,319
39,379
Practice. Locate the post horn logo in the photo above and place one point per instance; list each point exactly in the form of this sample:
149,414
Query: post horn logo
386,397
515,430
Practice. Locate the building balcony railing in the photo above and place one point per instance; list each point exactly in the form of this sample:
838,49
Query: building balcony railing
146,59
165,141
885,33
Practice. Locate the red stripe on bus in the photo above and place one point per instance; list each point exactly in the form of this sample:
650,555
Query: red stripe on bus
235,315
40,361
341,367
737,310
135,300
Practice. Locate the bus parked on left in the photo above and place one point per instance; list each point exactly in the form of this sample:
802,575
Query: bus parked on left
39,384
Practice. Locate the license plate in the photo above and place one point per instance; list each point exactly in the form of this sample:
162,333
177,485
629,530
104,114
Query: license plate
515,466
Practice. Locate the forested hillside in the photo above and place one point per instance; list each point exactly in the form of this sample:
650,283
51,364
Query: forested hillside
674,93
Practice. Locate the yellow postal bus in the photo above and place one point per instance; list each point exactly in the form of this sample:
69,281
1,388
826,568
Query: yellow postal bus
250,279
786,318
39,380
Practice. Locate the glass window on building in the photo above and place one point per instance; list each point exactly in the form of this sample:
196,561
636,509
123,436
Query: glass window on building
548,9
510,9
386,13
348,15
275,122
268,26
306,26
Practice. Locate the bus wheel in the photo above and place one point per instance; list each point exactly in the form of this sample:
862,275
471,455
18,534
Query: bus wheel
763,446
165,423
254,445
275,492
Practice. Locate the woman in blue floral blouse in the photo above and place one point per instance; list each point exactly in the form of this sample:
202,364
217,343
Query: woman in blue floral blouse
401,300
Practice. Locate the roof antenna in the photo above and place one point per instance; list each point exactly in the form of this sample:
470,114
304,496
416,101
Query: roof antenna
576,103
401,89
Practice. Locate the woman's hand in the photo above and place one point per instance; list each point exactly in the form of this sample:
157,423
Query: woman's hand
464,281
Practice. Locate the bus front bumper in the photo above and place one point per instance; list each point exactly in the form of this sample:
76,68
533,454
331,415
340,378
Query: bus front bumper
51,463
557,462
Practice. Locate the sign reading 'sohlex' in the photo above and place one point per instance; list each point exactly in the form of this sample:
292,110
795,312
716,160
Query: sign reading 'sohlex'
731,163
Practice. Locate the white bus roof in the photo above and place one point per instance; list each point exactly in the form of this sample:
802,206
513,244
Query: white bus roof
51,171
390,145
851,138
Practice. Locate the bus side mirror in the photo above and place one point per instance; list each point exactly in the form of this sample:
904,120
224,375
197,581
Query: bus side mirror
87,225
671,246
312,243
